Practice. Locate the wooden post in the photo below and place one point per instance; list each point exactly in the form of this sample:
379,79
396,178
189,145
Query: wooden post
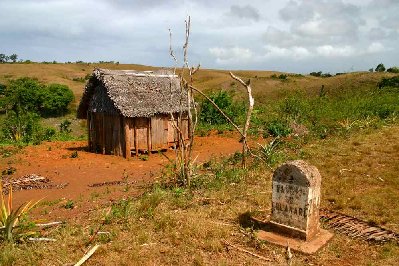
103,134
127,137
149,136
136,140
88,131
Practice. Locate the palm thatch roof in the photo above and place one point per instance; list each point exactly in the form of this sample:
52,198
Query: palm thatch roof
132,93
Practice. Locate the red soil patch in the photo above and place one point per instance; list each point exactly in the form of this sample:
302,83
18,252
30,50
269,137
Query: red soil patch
52,160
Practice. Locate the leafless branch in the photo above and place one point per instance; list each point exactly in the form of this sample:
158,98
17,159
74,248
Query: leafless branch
251,103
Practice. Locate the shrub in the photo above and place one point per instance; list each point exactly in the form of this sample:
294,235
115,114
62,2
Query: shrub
278,128
389,82
380,68
65,126
21,127
315,74
56,99
29,95
24,94
210,115
282,77
393,70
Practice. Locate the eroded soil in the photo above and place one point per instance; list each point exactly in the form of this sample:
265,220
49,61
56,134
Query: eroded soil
54,160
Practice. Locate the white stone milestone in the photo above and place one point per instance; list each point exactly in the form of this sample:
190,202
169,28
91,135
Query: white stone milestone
296,200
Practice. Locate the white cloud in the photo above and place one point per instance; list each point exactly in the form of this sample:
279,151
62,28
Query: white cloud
335,51
294,52
375,47
260,34
231,55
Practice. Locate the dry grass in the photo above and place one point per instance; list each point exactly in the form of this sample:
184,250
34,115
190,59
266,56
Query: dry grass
176,226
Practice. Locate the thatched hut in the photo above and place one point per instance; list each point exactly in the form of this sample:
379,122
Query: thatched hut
130,112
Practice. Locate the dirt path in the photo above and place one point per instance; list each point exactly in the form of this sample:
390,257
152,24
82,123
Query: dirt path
52,160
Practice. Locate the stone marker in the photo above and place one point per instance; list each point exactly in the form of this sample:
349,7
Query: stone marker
295,208
296,200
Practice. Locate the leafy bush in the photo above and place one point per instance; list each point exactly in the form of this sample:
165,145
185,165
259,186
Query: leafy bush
65,126
389,82
29,95
316,74
278,128
24,94
21,127
210,115
393,70
55,100
282,77
380,68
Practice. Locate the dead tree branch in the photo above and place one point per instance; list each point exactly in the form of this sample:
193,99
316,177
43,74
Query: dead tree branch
251,103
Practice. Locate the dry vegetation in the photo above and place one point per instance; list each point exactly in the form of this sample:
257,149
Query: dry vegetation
171,225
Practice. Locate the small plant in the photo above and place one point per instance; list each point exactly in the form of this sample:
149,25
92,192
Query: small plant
74,154
9,170
69,204
277,128
65,126
268,151
143,157
10,218
282,77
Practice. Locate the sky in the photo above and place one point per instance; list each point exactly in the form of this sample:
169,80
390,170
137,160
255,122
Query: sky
282,35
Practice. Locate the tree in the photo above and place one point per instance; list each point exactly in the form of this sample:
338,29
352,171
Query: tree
380,68
2,58
13,58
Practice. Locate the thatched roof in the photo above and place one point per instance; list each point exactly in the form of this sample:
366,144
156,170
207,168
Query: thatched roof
133,93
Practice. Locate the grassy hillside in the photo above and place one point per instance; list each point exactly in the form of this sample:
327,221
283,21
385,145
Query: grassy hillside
345,125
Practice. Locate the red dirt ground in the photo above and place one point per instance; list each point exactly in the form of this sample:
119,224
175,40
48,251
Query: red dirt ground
52,160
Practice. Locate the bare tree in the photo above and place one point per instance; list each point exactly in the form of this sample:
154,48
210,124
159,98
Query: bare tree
184,162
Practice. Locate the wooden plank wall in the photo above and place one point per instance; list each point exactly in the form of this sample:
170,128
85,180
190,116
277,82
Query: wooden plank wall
112,134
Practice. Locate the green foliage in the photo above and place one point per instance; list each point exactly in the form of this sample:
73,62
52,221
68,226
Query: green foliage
269,152
20,127
74,154
29,95
278,128
10,218
69,204
282,77
389,82
24,95
65,126
224,100
393,70
55,100
380,68
316,74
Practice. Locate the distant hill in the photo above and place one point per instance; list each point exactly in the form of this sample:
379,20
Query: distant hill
267,85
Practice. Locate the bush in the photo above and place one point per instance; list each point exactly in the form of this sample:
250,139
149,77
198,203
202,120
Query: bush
210,115
56,99
21,127
316,74
282,77
389,82
24,94
28,95
278,128
380,68
393,70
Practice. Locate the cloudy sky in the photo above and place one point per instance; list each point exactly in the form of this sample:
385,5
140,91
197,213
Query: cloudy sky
286,35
